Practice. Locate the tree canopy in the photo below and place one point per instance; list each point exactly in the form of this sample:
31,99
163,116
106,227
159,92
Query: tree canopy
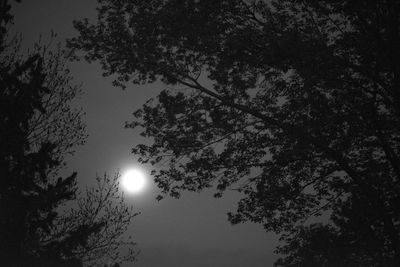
295,104
44,221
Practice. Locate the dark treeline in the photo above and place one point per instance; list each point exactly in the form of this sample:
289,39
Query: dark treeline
295,104
43,221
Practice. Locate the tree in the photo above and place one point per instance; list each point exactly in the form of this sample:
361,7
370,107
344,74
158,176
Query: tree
27,198
315,245
61,123
295,104
38,127
351,240
94,230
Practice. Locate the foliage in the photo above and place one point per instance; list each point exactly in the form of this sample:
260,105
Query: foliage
354,239
295,104
38,126
27,197
61,123
315,245
103,217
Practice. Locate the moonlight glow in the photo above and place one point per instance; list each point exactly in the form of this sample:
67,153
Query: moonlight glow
133,181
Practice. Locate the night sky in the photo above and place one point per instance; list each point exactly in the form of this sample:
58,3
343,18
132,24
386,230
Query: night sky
190,231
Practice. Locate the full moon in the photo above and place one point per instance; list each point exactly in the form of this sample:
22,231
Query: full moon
133,181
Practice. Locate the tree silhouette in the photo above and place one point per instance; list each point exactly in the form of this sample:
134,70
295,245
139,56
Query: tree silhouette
38,127
295,104
94,230
352,240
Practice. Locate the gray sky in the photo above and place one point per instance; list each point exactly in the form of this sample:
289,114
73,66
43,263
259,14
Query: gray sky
192,231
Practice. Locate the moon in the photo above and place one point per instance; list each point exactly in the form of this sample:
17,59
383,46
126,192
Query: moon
133,181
